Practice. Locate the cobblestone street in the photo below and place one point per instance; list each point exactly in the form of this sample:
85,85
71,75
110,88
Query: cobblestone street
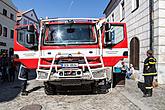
121,98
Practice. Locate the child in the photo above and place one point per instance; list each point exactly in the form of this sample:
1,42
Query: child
130,72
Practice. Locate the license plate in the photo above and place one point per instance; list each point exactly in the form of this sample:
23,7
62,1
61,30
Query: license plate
69,73
69,65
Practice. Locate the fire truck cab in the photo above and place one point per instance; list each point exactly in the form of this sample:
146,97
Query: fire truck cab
77,52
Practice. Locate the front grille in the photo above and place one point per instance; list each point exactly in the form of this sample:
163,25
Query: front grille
79,60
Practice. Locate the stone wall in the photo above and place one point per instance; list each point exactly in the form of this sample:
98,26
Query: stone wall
138,25
5,21
161,40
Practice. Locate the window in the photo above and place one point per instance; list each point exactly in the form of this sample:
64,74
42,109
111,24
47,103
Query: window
25,21
22,38
4,31
11,34
108,20
11,16
135,5
115,34
113,18
0,29
122,12
2,44
5,12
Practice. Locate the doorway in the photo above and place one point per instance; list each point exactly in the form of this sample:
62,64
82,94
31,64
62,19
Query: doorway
134,52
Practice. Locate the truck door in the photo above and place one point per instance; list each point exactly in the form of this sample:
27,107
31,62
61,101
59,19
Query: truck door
115,43
26,46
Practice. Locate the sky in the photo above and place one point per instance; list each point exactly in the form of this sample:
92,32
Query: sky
64,8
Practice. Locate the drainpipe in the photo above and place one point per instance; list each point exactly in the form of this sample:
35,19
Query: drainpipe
151,19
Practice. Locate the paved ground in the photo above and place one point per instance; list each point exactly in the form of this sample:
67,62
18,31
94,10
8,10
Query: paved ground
121,98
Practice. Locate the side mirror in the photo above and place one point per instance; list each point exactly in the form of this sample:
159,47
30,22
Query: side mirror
31,39
30,28
108,44
107,39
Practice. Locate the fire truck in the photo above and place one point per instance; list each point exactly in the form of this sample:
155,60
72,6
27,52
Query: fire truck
71,52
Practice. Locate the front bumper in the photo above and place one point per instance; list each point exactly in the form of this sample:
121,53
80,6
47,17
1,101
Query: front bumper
70,82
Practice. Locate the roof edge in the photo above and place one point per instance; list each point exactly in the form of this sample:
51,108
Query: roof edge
107,6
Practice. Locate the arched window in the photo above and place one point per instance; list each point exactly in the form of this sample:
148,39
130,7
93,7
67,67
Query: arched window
134,52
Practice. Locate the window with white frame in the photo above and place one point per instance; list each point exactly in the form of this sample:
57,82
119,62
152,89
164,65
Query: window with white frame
11,34
11,16
108,20
25,21
122,10
0,29
135,5
5,31
5,12
113,17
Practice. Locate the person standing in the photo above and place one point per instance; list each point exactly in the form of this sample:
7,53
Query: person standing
0,65
25,79
12,69
4,65
149,71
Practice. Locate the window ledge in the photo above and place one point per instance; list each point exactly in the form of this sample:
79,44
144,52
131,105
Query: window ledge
122,19
134,10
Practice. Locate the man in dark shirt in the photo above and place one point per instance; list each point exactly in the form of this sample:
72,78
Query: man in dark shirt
4,66
149,71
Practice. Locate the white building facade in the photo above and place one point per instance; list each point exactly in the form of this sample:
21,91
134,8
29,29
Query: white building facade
145,21
7,22
27,17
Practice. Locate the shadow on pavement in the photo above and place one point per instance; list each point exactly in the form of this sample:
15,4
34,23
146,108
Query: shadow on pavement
35,89
9,90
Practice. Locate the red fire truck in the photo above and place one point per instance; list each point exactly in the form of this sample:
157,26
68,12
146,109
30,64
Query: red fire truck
73,52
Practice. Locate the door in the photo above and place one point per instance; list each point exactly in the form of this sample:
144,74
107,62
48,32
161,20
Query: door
114,43
134,52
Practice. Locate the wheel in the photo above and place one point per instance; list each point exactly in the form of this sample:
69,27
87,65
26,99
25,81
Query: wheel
98,88
49,89
95,88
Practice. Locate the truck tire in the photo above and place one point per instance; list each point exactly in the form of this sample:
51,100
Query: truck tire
49,89
99,89
95,88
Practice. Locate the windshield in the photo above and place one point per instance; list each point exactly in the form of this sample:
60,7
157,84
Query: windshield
70,34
